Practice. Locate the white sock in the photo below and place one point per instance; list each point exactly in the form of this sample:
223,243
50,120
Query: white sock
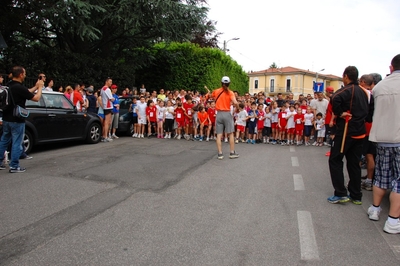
393,221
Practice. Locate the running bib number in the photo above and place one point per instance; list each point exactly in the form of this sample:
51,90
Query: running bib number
178,115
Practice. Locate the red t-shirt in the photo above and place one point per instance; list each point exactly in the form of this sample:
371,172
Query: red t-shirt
179,115
151,113
328,115
298,121
282,119
368,126
211,114
188,109
303,109
260,123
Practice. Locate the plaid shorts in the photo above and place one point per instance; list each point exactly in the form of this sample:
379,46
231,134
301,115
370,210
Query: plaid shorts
387,168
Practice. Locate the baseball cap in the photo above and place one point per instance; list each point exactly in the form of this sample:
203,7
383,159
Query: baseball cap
114,86
226,79
89,90
330,89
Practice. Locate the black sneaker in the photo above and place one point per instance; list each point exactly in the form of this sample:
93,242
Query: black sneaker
2,167
233,155
220,156
17,170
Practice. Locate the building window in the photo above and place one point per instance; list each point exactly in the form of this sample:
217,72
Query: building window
256,84
272,85
288,85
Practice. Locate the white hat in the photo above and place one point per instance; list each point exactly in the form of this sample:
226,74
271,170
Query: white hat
226,79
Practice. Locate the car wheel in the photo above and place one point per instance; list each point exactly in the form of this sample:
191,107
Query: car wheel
28,141
94,133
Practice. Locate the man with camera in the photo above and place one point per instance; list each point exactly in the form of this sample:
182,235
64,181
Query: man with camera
14,127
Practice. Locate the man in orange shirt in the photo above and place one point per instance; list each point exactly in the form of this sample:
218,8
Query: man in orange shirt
224,97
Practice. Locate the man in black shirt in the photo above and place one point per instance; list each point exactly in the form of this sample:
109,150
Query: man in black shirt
14,127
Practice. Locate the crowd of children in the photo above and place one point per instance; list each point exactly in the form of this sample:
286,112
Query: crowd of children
256,121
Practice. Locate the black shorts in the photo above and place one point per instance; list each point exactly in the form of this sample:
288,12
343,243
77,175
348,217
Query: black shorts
266,131
330,130
134,120
107,111
369,147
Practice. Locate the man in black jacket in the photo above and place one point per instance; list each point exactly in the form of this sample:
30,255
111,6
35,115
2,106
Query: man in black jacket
355,104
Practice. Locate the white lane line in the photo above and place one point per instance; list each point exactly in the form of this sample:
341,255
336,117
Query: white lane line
292,149
298,182
295,161
308,243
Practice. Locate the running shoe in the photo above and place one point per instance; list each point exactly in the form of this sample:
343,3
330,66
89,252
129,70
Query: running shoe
220,156
336,199
233,155
373,213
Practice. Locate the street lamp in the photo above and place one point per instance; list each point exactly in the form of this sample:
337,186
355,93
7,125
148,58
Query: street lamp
316,75
226,43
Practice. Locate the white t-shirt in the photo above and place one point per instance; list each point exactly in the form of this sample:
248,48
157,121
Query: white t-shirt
141,107
161,112
308,119
106,97
290,121
241,118
169,112
267,120
275,116
320,106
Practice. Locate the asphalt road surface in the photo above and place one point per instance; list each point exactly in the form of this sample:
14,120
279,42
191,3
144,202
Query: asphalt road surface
169,202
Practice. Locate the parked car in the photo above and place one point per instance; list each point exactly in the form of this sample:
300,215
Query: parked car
55,119
125,126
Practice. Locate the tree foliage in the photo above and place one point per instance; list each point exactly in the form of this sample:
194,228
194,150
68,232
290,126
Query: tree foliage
89,40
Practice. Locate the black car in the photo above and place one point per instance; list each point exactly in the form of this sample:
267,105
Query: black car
55,119
125,126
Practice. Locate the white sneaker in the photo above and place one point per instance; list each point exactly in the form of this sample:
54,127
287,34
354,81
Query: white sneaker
179,137
315,143
115,136
392,229
373,214
142,136
226,140
208,139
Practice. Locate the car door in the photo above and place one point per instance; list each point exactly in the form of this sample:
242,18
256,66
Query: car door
38,119
65,121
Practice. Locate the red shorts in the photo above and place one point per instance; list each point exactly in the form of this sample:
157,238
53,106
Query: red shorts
299,132
240,128
282,129
187,122
290,130
274,125
180,124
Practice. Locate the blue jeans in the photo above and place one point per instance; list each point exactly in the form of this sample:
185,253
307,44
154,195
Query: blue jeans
12,131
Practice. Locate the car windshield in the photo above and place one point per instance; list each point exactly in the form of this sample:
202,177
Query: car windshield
52,101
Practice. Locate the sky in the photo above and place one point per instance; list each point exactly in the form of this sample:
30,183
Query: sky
310,34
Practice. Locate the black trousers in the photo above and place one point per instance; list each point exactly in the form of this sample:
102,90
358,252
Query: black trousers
352,150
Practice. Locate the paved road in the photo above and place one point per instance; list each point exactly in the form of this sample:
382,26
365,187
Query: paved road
169,202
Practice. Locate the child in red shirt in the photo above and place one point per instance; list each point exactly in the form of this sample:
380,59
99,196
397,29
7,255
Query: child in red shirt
260,122
179,118
212,113
187,106
282,122
299,125
151,114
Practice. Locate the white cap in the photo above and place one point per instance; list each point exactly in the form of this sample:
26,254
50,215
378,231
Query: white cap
226,79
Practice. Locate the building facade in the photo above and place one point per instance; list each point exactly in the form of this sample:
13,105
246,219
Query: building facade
287,80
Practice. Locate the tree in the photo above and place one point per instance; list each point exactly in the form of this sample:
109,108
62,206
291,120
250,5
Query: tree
93,39
273,65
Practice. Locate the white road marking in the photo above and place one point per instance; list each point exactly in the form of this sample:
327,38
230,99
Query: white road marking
295,161
298,182
292,149
308,243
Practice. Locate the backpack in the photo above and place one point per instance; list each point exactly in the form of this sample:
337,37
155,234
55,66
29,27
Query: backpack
4,98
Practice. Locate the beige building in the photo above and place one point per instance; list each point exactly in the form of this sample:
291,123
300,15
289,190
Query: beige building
287,80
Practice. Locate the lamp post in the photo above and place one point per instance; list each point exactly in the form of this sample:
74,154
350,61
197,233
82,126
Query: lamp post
226,43
316,75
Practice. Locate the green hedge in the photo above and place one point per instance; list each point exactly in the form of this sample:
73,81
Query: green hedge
187,66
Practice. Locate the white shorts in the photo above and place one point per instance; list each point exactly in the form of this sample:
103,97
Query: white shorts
142,121
321,133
